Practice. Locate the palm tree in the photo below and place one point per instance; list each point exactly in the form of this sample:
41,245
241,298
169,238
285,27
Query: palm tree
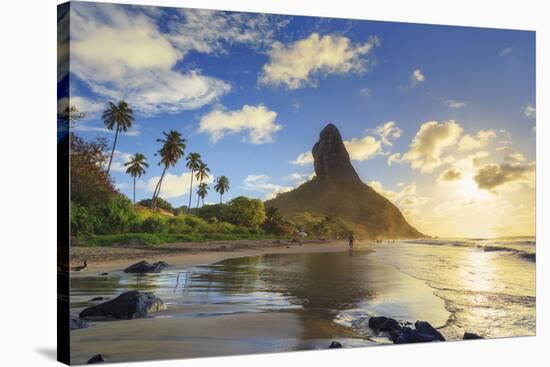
193,163
202,191
222,186
202,174
173,146
119,117
136,168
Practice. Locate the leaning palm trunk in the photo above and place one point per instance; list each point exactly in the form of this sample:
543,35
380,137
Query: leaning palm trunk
157,190
198,197
113,150
221,198
134,190
190,191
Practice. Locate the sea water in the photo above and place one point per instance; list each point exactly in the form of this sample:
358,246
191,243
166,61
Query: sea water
476,285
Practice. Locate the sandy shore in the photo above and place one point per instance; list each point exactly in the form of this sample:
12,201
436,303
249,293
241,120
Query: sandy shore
170,335
183,255
182,337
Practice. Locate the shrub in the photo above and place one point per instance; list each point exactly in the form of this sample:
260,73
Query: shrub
161,203
154,224
83,221
116,216
178,224
243,211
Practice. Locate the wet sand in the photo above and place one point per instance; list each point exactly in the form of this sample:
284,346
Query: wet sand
184,255
168,334
182,337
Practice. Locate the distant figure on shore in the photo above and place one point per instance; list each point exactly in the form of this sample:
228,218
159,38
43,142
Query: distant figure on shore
81,267
351,240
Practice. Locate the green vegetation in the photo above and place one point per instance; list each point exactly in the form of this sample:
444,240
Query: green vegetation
161,204
102,216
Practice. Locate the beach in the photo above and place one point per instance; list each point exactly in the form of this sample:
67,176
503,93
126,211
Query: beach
105,259
259,296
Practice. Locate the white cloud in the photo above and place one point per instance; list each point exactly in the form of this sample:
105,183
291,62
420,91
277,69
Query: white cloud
84,105
508,175
469,142
260,183
394,158
361,149
299,64
119,158
416,78
303,159
406,196
530,111
388,131
450,174
505,51
258,121
366,92
453,103
174,185
123,53
211,32
427,148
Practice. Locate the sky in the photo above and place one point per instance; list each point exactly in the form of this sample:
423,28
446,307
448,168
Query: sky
440,120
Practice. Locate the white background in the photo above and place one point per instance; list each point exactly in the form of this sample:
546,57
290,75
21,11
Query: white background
28,181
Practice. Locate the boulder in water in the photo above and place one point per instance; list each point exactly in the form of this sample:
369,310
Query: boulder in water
76,323
382,323
408,335
425,328
145,267
98,358
127,306
469,336
335,345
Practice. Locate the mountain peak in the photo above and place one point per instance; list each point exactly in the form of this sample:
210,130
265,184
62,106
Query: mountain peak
330,157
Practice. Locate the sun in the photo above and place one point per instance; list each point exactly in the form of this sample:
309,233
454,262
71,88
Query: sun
467,188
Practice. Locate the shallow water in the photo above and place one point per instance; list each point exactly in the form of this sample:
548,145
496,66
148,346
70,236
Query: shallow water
481,286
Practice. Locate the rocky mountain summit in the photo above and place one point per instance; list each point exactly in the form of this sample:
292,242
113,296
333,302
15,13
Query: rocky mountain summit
337,191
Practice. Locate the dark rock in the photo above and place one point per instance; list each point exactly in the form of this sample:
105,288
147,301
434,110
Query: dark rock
145,267
335,345
95,299
337,191
330,157
469,336
98,358
129,305
76,323
104,274
425,328
382,323
408,335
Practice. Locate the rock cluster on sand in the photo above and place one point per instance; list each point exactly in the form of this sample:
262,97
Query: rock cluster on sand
400,333
145,267
129,305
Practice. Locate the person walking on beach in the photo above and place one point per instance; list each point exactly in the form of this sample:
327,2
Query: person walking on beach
351,240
